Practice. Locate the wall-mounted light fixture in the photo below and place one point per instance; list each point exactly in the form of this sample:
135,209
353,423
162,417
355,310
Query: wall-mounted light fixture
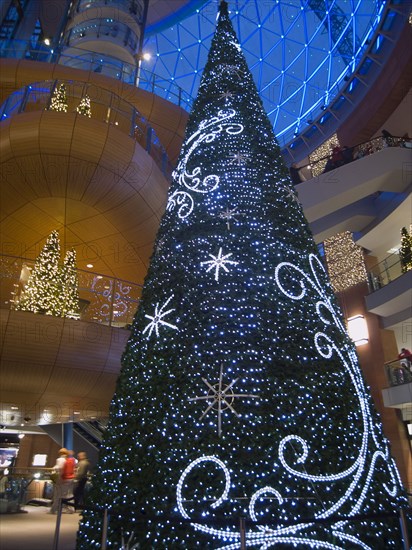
358,330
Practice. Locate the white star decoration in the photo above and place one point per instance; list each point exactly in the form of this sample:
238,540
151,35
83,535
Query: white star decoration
230,215
157,319
160,245
230,69
218,262
226,95
239,158
292,194
221,397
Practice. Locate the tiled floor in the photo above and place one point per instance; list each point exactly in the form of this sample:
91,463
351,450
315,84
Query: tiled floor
34,529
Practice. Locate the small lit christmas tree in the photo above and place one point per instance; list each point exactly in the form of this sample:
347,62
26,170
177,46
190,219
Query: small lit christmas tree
70,286
240,393
42,293
84,107
405,252
59,99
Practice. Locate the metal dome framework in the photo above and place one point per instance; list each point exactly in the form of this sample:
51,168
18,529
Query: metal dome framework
303,54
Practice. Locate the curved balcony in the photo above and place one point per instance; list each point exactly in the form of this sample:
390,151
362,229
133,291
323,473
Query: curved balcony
104,300
69,366
134,7
101,36
356,195
108,65
104,106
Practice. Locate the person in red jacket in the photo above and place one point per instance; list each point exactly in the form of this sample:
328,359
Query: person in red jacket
68,474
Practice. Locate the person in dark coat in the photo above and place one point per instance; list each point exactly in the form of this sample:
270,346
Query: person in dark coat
83,468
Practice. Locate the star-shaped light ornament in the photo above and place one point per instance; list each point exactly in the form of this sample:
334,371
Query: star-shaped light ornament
221,397
218,262
291,194
238,158
230,214
230,69
157,319
226,95
160,245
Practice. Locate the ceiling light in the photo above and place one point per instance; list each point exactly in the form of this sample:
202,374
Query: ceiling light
89,266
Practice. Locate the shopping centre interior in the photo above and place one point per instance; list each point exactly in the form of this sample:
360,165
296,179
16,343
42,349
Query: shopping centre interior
95,96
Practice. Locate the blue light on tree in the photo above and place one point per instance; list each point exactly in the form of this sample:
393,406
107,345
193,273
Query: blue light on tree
240,392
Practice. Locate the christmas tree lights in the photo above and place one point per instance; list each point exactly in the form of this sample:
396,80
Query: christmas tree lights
405,252
42,293
58,100
287,435
70,286
345,261
84,107
51,289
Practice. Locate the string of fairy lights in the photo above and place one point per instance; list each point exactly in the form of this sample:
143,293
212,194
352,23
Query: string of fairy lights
240,393
59,102
51,289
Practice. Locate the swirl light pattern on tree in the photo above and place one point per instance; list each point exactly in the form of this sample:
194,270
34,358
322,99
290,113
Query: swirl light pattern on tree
207,132
294,283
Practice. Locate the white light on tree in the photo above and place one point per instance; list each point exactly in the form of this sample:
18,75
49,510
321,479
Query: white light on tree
358,330
298,441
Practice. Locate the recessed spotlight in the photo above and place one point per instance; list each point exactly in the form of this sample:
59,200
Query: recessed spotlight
89,266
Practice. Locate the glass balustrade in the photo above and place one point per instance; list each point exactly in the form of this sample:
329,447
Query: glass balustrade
385,272
99,63
104,106
103,299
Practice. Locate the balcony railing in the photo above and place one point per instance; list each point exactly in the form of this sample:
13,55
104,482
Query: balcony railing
398,372
351,154
385,272
96,62
104,106
103,299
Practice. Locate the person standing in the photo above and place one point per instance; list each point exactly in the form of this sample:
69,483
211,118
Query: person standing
83,468
405,357
68,475
58,480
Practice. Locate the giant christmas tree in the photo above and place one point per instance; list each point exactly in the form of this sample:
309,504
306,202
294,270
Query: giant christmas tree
240,392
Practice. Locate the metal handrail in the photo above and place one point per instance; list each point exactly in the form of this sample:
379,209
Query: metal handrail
385,271
111,109
103,299
361,150
92,62
398,372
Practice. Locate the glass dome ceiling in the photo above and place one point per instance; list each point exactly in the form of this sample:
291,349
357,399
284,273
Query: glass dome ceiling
300,52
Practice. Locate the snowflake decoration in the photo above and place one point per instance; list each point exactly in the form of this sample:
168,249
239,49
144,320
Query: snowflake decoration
220,397
230,215
226,95
238,158
160,245
230,69
157,319
292,194
218,262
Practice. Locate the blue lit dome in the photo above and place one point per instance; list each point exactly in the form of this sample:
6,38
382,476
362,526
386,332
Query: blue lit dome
302,53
